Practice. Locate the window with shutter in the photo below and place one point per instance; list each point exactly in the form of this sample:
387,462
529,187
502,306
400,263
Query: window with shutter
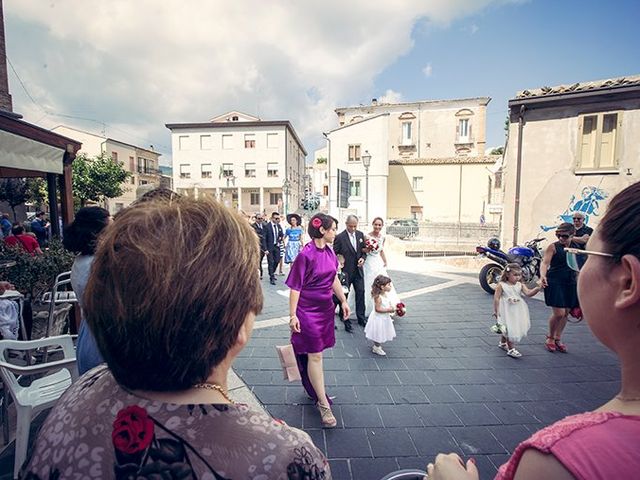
598,137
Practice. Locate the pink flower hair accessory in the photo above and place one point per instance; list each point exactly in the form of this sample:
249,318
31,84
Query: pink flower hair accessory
316,222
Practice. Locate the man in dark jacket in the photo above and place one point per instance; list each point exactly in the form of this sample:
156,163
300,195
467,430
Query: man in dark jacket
350,244
40,227
259,227
273,235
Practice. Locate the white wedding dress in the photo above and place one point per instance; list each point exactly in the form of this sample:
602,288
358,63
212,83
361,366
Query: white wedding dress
374,266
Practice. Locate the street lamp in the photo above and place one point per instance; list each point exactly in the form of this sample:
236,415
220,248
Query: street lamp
366,162
285,188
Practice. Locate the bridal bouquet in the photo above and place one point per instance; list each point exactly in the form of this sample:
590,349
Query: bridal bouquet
372,244
401,309
499,328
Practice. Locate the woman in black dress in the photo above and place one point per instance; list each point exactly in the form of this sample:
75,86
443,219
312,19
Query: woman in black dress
560,285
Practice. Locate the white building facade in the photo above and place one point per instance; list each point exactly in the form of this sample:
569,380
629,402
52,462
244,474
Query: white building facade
141,162
246,163
424,156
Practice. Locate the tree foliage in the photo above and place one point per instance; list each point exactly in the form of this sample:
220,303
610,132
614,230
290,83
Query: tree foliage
17,191
497,151
98,178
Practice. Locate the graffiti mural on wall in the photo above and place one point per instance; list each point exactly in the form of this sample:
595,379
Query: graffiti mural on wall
589,204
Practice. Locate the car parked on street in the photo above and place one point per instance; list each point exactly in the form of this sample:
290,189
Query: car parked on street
403,228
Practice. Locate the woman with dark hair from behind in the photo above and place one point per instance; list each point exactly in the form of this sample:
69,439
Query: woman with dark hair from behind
81,237
170,311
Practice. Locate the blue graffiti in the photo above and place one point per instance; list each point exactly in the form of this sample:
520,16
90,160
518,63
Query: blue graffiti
588,204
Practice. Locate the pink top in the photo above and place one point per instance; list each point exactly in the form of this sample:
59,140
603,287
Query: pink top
593,445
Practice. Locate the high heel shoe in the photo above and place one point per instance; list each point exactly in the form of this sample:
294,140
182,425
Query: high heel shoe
328,420
560,347
550,344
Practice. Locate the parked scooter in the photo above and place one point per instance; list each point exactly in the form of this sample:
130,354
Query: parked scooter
529,257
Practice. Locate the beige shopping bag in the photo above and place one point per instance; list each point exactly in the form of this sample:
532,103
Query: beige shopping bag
288,362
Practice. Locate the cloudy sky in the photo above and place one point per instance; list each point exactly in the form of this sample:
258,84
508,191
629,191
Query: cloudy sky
128,67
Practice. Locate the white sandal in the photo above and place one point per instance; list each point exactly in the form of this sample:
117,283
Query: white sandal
513,353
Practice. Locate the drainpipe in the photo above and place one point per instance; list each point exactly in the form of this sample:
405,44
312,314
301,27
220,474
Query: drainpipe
326,135
516,213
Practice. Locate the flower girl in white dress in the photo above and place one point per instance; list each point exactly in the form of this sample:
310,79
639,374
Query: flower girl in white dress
376,264
510,309
379,328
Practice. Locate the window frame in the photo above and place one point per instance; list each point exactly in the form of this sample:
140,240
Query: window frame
357,185
417,186
271,173
276,195
357,153
460,138
206,173
616,144
248,169
249,140
226,172
406,141
183,142
184,175
223,144
272,140
251,198
206,145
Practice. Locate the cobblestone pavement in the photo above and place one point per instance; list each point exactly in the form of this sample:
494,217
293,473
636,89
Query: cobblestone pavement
444,386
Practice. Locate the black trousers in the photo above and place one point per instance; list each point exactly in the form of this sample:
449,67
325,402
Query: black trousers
336,302
261,258
273,259
358,286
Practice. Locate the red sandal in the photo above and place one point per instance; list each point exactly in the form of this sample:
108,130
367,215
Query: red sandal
561,347
550,344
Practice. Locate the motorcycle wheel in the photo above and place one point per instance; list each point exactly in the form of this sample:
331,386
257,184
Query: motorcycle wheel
489,277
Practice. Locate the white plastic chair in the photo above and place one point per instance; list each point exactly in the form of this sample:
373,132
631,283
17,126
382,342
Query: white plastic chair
43,392
59,294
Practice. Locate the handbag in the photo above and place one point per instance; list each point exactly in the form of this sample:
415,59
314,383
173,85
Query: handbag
288,362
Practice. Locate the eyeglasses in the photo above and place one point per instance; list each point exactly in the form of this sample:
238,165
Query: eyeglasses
575,257
578,218
562,235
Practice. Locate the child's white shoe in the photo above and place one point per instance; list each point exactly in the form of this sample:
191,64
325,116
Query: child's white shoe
378,351
513,353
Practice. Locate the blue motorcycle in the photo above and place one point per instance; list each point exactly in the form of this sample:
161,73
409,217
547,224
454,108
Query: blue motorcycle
529,257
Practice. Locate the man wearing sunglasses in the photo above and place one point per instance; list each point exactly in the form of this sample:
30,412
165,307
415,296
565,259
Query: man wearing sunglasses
560,285
581,237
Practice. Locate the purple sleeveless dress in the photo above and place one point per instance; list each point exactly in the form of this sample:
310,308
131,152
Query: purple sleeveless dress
312,274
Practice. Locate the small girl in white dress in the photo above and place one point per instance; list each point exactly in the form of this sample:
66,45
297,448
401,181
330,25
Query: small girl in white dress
379,326
510,309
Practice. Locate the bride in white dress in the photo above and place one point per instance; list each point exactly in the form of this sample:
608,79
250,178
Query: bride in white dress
376,264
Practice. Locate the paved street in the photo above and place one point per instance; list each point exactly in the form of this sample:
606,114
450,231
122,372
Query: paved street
444,386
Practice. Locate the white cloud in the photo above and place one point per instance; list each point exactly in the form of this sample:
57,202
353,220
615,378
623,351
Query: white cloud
474,28
427,70
138,65
390,97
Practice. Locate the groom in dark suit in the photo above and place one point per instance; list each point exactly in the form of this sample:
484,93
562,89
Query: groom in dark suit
350,244
272,237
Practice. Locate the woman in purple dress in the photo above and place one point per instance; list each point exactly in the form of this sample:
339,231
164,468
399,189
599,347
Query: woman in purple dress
313,282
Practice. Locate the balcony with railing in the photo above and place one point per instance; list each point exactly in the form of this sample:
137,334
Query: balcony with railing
148,170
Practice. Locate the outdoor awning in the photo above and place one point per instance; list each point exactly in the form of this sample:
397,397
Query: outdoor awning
26,154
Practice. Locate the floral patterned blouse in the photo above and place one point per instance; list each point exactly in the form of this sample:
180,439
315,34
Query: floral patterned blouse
99,430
